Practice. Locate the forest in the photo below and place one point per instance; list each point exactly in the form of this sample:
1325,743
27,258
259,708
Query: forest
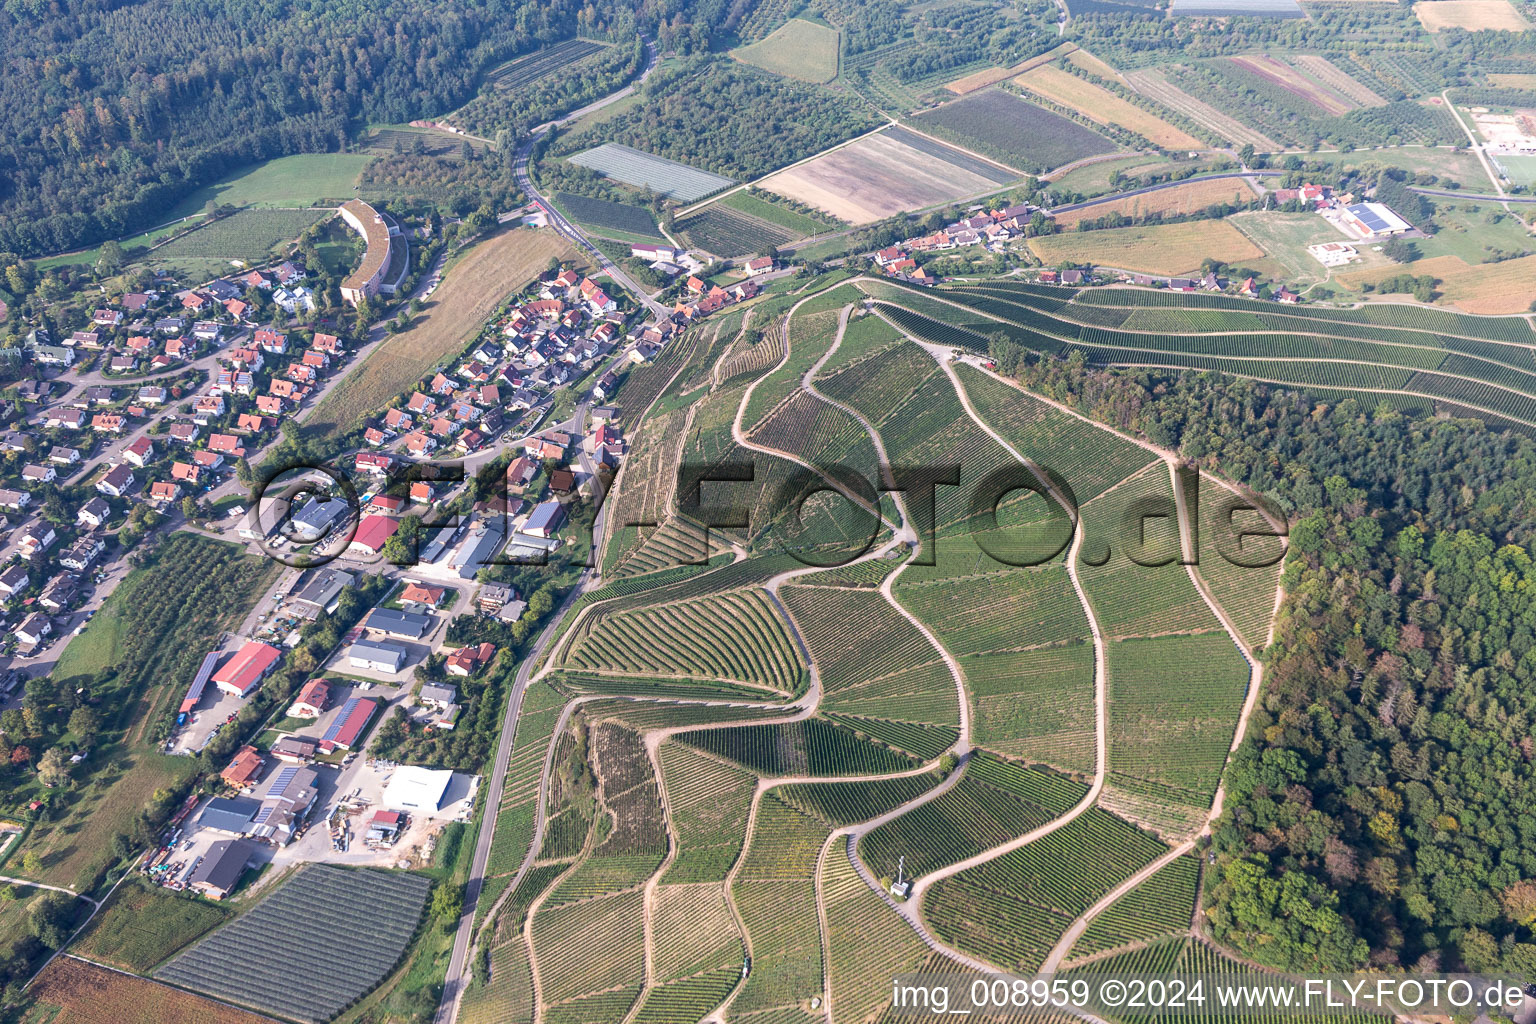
1382,810
115,112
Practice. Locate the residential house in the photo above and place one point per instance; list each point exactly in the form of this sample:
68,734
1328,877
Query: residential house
141,452
117,482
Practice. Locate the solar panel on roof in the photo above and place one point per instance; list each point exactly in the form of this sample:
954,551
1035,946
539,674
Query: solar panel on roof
341,719
281,779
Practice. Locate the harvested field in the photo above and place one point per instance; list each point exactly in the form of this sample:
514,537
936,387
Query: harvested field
471,289
1472,15
643,170
1014,130
1101,105
1487,288
1184,199
1325,71
1150,249
1152,83
875,177
1512,81
991,76
94,995
796,49
1289,79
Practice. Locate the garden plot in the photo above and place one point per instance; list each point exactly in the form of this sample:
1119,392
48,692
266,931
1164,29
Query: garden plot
642,170
877,176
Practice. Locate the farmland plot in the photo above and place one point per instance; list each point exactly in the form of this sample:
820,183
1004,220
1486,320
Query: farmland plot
730,233
1016,131
1163,904
602,213
530,68
708,800
1319,96
1151,249
1130,598
868,943
797,48
867,652
87,994
983,811
875,177
1150,82
642,170
1101,105
246,961
731,637
1181,199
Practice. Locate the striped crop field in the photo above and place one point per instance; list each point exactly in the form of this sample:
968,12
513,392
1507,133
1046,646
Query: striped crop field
1088,457
774,893
1461,363
1235,541
1173,706
1124,529
245,963
588,947
734,637
708,800
1163,904
866,651
869,944
994,802
1011,909
812,746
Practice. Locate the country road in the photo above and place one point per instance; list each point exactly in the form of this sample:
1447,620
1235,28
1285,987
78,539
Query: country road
558,220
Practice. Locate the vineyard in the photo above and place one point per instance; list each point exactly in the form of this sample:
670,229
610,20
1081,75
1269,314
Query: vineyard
248,962
1163,904
708,800
1011,909
868,944
1173,704
602,213
867,652
725,841
730,233
992,804
813,746
733,637
1453,360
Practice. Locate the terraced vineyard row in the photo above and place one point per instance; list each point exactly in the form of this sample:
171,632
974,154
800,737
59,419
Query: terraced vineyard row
1088,457
858,640
813,746
709,801
1374,348
734,637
